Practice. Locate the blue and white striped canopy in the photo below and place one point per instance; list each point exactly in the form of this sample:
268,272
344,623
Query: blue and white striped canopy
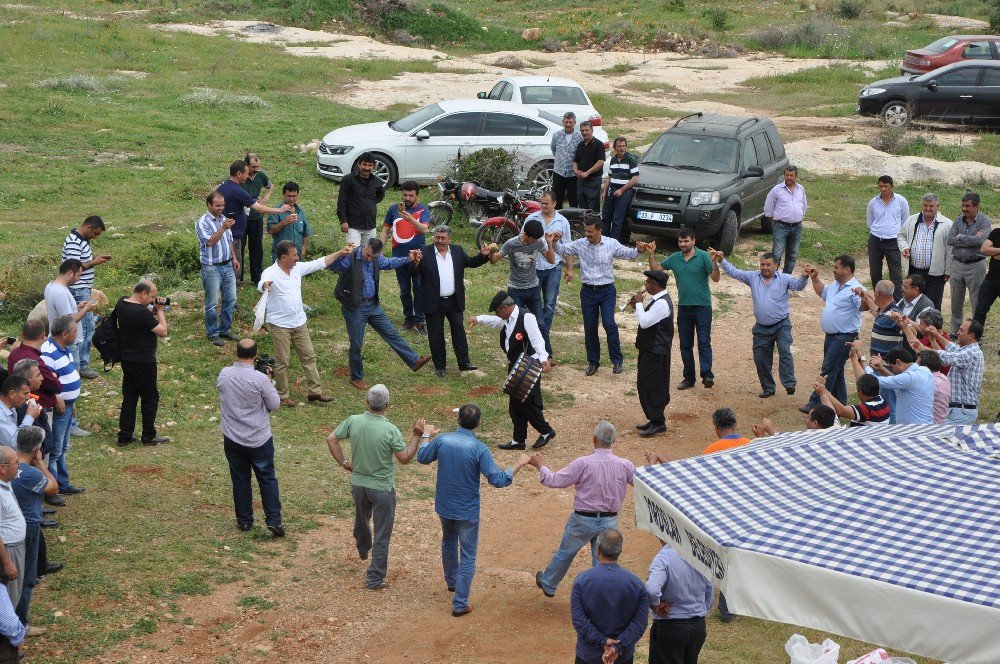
873,508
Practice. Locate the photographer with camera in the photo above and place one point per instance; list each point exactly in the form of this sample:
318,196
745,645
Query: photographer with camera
247,397
140,321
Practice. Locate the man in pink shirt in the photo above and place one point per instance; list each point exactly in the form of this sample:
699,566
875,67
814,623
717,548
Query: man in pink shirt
942,385
600,479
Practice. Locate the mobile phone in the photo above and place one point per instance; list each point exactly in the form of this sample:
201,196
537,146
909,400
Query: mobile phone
10,340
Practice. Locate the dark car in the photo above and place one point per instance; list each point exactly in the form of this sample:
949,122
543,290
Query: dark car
966,92
710,173
945,51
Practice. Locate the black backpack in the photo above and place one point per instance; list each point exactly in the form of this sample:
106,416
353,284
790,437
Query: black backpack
106,340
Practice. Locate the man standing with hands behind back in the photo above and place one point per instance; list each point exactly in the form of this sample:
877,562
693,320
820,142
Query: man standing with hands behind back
786,206
886,215
359,196
588,166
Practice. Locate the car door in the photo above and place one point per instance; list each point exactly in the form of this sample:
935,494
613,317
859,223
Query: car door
953,96
509,130
429,157
756,152
988,97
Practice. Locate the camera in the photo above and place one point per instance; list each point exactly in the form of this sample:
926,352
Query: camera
162,301
264,364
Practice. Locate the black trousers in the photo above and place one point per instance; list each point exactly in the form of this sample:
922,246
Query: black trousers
653,385
564,189
527,412
43,553
889,250
447,308
138,382
676,641
988,294
621,660
254,241
934,286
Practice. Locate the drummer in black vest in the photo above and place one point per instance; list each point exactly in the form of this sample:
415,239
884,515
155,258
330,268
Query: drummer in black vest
654,340
520,334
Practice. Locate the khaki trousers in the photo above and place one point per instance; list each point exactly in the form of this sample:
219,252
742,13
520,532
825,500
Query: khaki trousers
284,338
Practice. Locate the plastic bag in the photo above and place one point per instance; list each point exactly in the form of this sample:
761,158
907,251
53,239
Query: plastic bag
258,312
803,652
880,656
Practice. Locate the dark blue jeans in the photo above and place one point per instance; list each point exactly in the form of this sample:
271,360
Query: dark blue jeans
765,337
459,541
260,461
31,538
835,354
785,240
529,299
692,319
599,302
549,282
370,313
588,193
410,291
613,212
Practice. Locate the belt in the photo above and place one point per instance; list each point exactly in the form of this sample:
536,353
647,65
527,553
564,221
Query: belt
686,620
596,286
596,515
221,263
446,297
787,223
967,406
971,260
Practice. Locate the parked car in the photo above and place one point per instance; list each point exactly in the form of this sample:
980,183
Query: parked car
710,173
419,146
950,49
966,92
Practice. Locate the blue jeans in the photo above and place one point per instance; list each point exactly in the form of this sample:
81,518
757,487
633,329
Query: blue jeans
62,423
81,350
764,339
599,302
459,540
785,242
614,210
580,530
835,354
260,461
528,299
588,193
216,279
410,291
692,319
370,313
962,415
31,537
549,282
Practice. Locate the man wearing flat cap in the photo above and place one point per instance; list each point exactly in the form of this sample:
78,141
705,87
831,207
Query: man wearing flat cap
654,339
519,333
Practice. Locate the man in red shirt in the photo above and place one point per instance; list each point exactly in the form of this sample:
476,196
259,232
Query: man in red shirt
32,337
407,222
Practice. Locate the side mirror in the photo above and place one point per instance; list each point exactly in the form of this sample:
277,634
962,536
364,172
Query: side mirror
481,95
753,172
422,135
932,85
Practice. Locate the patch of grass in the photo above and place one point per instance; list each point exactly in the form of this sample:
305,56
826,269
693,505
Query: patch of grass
258,603
618,68
81,83
191,584
219,99
618,108
651,86
983,147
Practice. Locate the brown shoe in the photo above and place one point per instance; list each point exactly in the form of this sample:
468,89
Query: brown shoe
360,384
421,362
322,398
288,402
464,612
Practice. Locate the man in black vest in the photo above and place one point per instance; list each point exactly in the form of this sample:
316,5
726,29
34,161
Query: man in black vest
654,339
519,333
442,272
357,290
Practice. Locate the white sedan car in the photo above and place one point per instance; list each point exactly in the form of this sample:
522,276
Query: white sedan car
420,146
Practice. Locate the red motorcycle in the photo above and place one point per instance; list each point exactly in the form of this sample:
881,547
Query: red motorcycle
516,207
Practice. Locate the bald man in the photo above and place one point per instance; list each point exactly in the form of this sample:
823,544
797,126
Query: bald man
13,528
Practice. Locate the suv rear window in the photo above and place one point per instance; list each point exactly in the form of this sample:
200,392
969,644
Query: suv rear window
694,152
553,94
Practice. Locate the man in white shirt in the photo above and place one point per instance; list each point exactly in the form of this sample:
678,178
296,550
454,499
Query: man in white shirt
12,526
520,335
654,339
886,215
786,206
923,241
286,317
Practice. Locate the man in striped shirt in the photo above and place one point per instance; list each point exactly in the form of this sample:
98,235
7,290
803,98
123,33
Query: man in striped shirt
623,173
967,365
77,245
57,357
886,334
219,263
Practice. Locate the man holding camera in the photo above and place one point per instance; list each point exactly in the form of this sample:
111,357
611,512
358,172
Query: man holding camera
247,397
140,322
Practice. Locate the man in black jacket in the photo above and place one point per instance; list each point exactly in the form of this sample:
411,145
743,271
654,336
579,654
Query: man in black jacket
360,194
654,338
442,272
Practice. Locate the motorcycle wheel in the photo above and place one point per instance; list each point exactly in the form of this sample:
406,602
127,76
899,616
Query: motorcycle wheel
499,234
441,213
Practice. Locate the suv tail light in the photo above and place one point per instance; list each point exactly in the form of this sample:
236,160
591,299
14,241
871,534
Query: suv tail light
607,146
596,121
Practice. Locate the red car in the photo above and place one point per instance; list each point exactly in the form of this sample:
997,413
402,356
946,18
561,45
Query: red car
947,50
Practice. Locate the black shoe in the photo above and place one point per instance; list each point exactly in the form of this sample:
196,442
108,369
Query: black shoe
643,427
71,491
229,335
543,440
381,585
512,445
277,530
363,556
708,382
56,500
216,341
726,617
653,430
451,589
592,369
790,390
245,527
123,442
617,369
158,440
538,582
48,510
685,384
805,409
468,367
53,568
766,393
440,373
49,523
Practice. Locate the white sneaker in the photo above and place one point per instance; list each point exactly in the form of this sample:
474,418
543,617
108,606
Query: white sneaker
79,433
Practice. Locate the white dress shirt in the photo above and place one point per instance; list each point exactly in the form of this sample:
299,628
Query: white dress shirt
530,326
284,299
648,314
446,272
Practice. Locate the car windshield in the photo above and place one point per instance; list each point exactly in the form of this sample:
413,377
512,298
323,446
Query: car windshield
416,118
553,94
941,45
693,152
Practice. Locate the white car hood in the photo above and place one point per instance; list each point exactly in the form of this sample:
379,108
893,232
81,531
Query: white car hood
350,135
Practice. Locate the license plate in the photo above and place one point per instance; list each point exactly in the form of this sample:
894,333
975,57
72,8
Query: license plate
655,216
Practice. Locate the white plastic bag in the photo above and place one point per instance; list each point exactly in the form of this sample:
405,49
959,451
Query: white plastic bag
803,652
259,311
880,656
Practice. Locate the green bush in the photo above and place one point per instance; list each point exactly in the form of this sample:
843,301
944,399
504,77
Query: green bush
850,9
493,168
718,18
